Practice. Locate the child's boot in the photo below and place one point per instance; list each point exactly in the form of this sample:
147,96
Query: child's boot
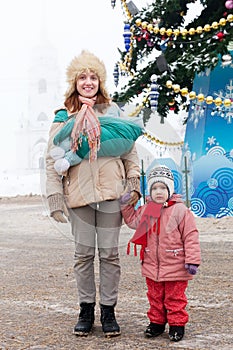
154,330
176,333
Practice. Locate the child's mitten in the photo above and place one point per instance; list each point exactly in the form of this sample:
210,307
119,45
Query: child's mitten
125,198
192,269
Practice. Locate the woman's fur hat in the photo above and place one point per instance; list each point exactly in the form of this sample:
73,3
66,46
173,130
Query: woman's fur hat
85,61
163,174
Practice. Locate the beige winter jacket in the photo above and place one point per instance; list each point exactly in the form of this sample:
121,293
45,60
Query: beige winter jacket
85,183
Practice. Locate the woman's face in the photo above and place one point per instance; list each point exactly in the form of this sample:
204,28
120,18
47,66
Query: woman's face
87,84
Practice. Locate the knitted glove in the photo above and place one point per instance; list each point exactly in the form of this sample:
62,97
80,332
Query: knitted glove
192,269
57,207
133,184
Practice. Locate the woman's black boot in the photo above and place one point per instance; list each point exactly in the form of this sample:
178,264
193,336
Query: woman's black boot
110,326
85,320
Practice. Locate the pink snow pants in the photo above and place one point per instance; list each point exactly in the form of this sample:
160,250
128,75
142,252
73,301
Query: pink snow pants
167,302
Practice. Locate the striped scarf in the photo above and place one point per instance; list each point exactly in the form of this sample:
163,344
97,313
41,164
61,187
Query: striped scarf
86,125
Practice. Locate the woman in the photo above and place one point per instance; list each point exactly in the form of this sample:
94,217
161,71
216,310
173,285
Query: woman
91,191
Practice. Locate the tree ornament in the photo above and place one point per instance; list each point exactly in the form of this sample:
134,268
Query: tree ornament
192,95
201,97
184,91
219,36
226,60
169,84
171,105
154,94
218,101
227,102
176,88
127,36
138,22
209,100
116,74
113,3
207,28
229,4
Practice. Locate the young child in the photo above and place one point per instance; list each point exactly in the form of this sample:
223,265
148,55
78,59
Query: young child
170,252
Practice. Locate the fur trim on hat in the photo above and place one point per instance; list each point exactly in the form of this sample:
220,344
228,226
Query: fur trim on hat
163,174
85,61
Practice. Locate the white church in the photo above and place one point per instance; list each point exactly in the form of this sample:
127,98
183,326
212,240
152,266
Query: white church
43,94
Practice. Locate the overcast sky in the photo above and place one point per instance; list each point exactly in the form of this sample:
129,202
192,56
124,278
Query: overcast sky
70,26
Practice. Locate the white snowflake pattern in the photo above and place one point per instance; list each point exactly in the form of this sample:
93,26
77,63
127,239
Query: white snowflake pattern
223,111
211,140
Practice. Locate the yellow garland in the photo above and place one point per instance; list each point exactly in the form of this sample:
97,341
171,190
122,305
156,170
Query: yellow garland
162,143
125,66
184,32
200,97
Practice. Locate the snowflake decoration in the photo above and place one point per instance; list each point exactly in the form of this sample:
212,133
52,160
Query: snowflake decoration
211,140
223,111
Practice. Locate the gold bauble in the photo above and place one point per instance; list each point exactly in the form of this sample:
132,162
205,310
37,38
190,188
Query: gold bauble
207,28
222,21
199,30
200,97
162,31
169,32
176,32
192,95
227,102
209,99
176,88
215,25
144,25
138,22
169,84
150,27
192,31
184,32
184,91
156,30
230,17
218,101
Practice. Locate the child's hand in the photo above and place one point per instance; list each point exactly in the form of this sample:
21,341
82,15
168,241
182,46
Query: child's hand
124,199
192,269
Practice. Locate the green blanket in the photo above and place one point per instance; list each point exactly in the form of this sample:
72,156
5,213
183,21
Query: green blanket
117,136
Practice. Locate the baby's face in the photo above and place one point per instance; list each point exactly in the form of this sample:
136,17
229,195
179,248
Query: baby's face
159,192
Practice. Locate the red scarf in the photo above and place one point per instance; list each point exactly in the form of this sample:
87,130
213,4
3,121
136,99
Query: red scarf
87,124
149,223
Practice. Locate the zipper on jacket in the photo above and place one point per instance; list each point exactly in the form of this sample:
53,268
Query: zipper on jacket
157,249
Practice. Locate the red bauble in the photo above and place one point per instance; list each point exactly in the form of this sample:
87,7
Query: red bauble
229,4
220,36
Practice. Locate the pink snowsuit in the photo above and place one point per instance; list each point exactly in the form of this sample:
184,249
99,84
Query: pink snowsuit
169,240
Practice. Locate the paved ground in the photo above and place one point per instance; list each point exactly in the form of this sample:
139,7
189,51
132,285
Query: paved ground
38,300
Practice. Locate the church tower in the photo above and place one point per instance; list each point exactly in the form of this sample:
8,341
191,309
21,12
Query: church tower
43,97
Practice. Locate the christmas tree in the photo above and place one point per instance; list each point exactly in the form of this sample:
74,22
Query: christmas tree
172,53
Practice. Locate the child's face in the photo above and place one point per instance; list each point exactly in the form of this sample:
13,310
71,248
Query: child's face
159,192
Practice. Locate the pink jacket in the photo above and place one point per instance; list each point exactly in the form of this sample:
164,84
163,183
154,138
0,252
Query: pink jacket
174,243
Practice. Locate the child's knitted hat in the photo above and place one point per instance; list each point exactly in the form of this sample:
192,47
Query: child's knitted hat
163,174
85,61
